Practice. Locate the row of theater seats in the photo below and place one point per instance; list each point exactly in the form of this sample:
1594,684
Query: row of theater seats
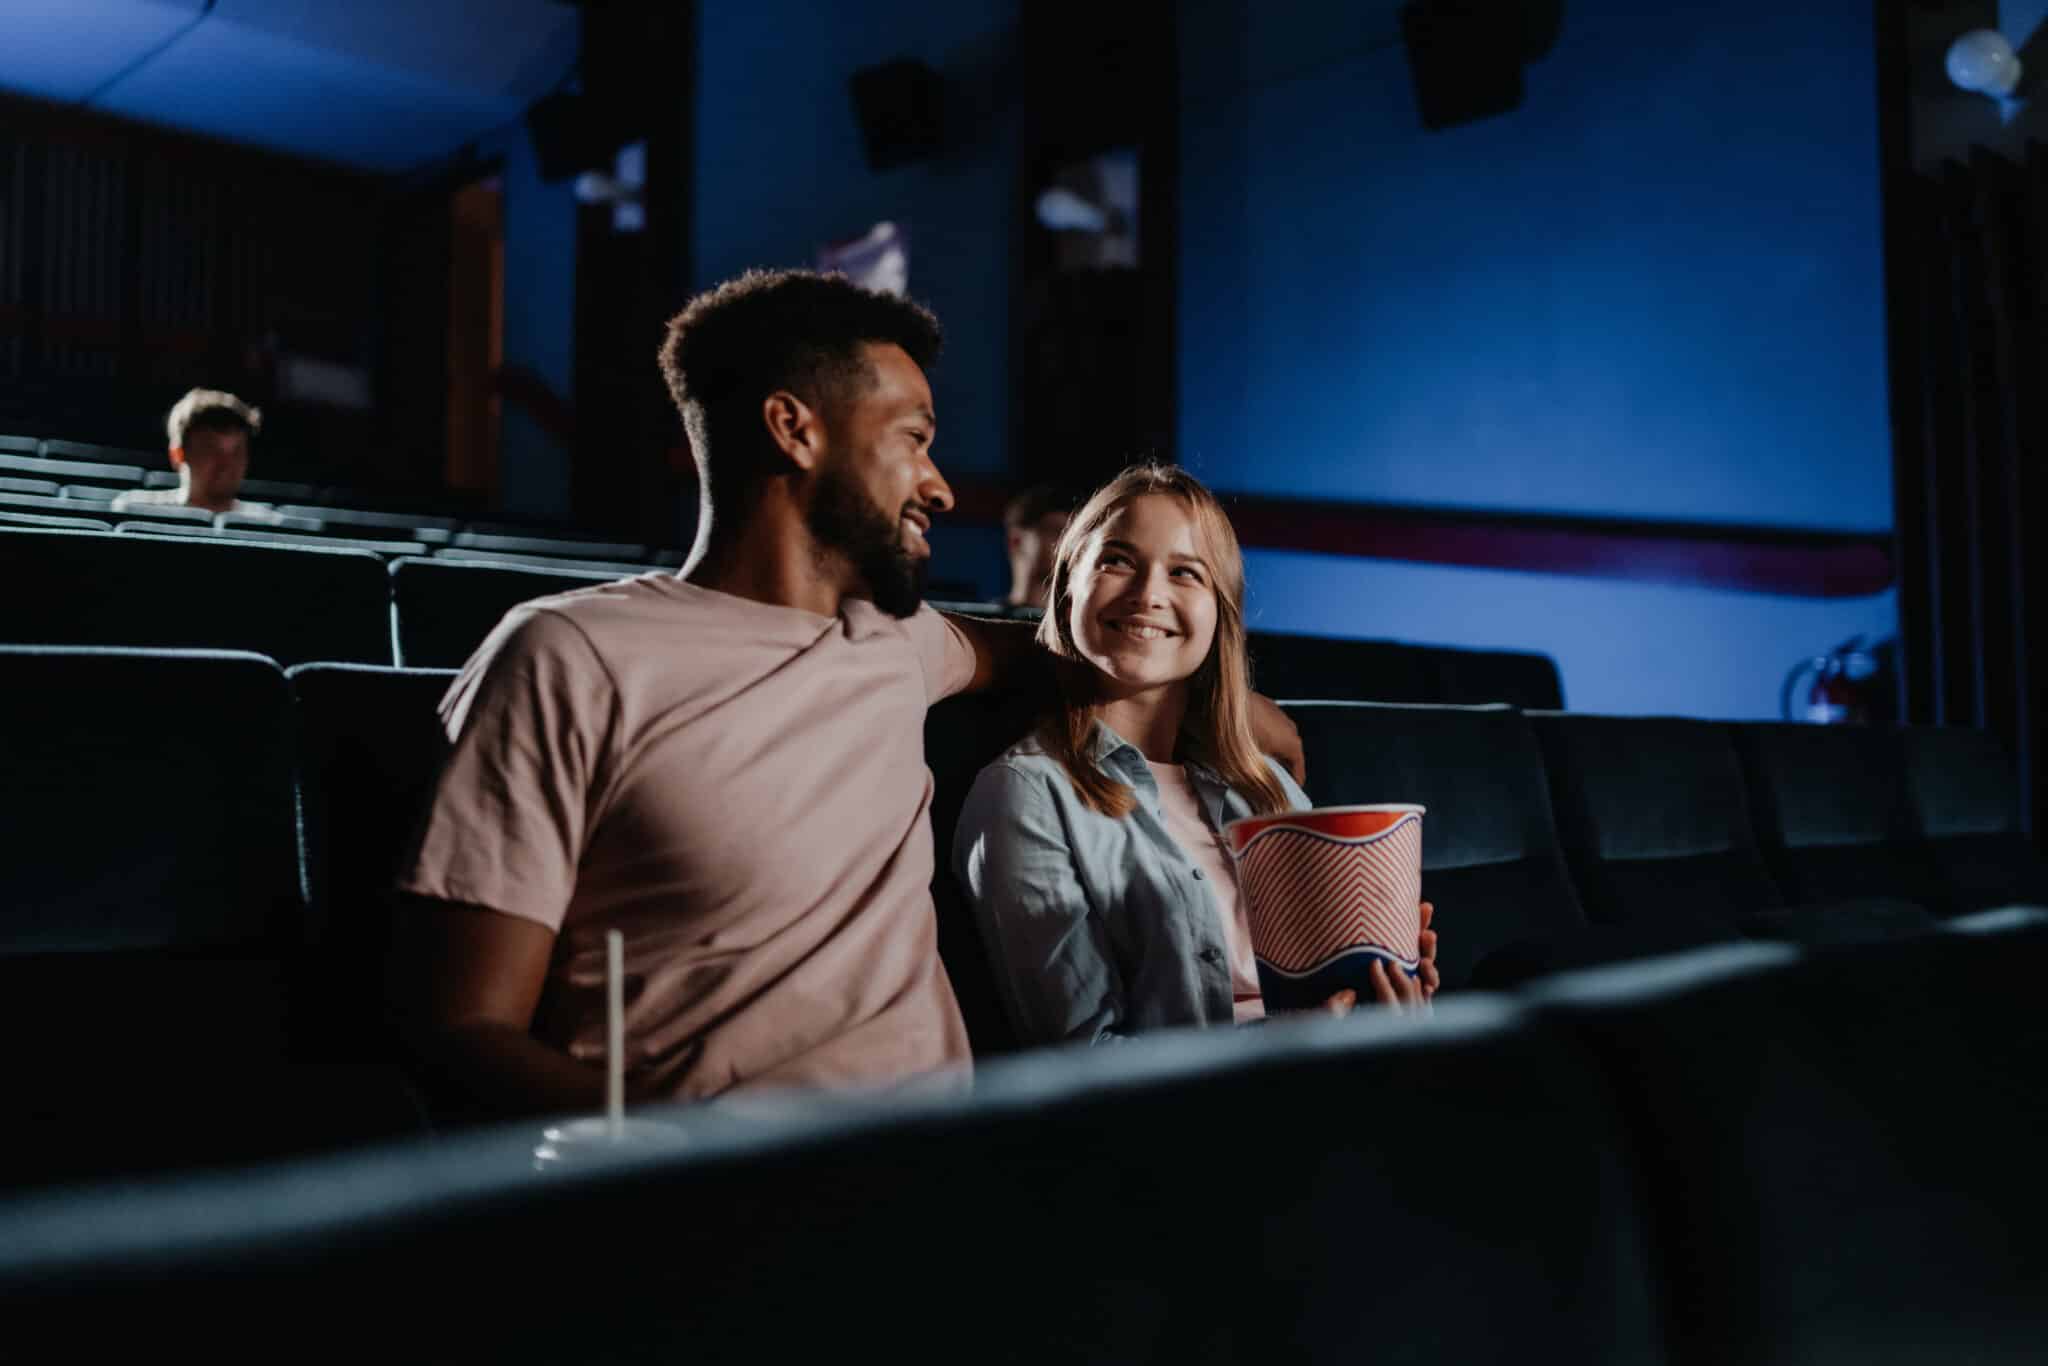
1752,1154
1557,841
200,847
65,484
301,604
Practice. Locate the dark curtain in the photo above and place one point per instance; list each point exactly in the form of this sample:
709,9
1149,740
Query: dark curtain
1969,481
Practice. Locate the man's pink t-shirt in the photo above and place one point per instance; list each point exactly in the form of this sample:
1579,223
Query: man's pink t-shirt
737,787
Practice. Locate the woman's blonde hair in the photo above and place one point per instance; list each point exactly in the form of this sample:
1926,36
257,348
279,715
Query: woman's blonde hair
1216,731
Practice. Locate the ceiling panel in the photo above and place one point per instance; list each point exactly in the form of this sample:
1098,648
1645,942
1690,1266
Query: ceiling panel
382,85
65,49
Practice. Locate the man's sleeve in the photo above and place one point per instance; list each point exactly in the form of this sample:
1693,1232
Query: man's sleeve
527,720
944,652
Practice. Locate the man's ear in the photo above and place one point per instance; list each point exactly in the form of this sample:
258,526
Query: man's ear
795,427
177,457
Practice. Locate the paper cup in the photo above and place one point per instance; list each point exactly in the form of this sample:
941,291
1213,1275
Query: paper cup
1328,892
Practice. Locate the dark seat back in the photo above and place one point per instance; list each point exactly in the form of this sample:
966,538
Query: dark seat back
443,610
1318,668
1490,857
1834,818
148,801
151,888
1843,1152
187,592
1338,1249
53,522
562,546
1330,668
1655,819
370,746
1519,678
1966,803
68,462
962,735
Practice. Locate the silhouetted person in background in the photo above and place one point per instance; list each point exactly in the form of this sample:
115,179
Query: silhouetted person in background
210,431
1032,523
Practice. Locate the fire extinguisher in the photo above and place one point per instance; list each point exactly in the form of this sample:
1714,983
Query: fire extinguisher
1836,689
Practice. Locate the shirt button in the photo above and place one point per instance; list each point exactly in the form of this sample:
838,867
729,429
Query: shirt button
1198,874
1212,955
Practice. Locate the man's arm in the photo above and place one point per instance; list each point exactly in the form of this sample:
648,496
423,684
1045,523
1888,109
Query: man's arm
1007,655
465,984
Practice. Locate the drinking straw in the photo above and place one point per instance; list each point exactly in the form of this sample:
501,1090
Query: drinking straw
615,1033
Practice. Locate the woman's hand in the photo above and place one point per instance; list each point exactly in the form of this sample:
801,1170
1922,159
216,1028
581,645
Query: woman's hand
1425,948
1396,988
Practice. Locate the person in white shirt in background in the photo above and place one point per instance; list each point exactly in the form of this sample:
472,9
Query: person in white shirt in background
210,431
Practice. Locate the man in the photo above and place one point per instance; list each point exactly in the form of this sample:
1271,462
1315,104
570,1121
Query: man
209,431
726,765
1032,523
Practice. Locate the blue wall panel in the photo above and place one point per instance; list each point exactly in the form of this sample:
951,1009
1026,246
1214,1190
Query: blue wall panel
1654,291
781,172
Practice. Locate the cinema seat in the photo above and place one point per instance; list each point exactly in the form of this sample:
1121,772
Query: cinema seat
1517,677
84,470
1496,1212
387,525
149,874
562,547
1654,817
161,517
370,745
962,735
9,517
1966,803
1490,856
1318,668
89,452
545,564
442,610
1834,817
1842,1151
292,604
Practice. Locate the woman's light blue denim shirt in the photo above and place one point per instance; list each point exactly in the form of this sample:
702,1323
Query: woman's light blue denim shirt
1097,927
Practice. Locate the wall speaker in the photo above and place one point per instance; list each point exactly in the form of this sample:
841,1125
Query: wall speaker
899,107
572,133
1466,56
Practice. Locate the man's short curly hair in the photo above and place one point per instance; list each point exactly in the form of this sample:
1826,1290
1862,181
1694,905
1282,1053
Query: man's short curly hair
798,330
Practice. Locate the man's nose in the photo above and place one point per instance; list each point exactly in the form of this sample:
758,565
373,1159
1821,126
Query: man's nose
933,490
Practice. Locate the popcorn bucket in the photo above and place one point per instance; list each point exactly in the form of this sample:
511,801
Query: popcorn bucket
1328,892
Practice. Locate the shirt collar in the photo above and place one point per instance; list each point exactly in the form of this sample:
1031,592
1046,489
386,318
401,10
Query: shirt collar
1120,759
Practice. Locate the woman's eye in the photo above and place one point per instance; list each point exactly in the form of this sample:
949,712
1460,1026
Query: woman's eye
1193,575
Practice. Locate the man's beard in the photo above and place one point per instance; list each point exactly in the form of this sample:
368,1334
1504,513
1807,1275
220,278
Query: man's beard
842,519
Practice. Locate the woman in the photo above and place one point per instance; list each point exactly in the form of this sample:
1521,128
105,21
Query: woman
1091,849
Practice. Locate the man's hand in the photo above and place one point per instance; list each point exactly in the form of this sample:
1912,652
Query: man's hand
1276,735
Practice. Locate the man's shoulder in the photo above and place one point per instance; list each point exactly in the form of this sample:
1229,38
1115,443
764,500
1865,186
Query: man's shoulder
579,621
